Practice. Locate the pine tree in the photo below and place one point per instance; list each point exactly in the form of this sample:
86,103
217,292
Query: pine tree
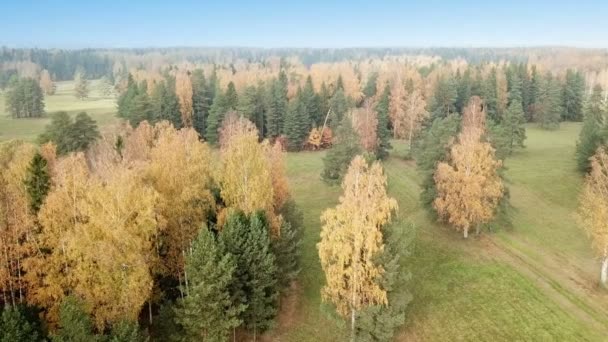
310,103
339,107
432,148
511,132
125,331
464,90
232,99
572,96
286,249
37,182
444,98
489,95
251,106
25,99
165,104
74,323
297,123
383,132
16,327
276,106
593,133
83,132
125,100
200,102
58,131
216,116
533,92
207,313
338,158
547,108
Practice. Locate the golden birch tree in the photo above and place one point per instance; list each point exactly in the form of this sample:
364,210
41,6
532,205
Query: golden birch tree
593,209
183,90
414,115
46,83
351,238
365,123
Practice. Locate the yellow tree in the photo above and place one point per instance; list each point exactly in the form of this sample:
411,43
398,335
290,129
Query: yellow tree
351,238
46,83
365,123
593,209
235,125
469,187
183,90
16,220
414,115
397,107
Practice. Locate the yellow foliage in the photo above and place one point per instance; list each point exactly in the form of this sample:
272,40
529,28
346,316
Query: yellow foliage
593,207
351,238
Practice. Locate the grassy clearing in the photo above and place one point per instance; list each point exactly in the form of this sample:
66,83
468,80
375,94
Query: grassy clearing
100,108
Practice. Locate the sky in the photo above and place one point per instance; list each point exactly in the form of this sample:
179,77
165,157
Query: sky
312,23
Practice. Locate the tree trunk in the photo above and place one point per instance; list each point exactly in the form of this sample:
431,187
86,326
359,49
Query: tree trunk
466,233
352,325
604,272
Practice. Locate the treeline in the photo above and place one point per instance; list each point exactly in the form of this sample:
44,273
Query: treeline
144,228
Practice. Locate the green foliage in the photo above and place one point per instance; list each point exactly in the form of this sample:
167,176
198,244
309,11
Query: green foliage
126,98
297,123
83,132
573,93
74,323
125,331
165,105
548,108
81,88
377,322
511,132
311,104
255,284
25,99
37,182
68,135
286,248
490,96
16,326
443,102
208,312
593,133
276,105
251,106
464,89
382,131
222,103
339,107
370,86
432,148
338,158
200,102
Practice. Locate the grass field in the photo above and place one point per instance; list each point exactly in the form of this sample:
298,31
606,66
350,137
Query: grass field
100,108
534,281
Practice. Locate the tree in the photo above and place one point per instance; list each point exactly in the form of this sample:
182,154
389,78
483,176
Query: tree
573,92
183,90
469,187
338,158
276,105
106,87
369,90
126,331
222,103
15,326
37,182
592,134
46,83
415,114
24,99
444,98
200,102
75,324
351,240
57,131
165,105
593,202
81,86
297,123
311,103
208,313
256,284
251,106
83,132
383,133
547,107
431,149
339,107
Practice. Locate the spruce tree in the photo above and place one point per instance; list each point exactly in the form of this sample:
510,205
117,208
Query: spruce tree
15,326
125,331
25,99
489,95
232,99
297,123
208,313
74,323
432,148
200,102
443,102
463,91
338,158
369,90
339,107
58,131
251,106
125,100
37,182
382,131
572,96
83,132
548,108
286,249
310,103
533,92
593,133
276,106
511,132
165,104
81,87
216,116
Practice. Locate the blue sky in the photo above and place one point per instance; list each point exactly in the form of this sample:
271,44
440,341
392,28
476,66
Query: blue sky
313,23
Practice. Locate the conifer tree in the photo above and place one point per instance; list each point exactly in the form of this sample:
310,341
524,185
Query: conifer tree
511,132
251,106
464,89
216,116
276,106
310,103
490,96
208,313
548,108
593,133
16,327
25,99
83,132
81,87
232,99
125,331
443,102
339,107
58,131
297,123
165,104
572,96
126,98
383,133
37,181
369,90
338,158
74,323
200,102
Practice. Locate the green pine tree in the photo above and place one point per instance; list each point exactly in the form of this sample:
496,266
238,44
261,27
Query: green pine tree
208,313
37,182
338,158
25,99
81,86
125,100
573,93
74,323
276,106
125,331
443,102
548,105
57,131
511,132
593,133
216,116
297,123
232,99
382,131
370,86
16,326
83,132
200,102
489,95
339,107
310,103
251,106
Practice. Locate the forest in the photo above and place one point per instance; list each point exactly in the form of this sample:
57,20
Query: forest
215,194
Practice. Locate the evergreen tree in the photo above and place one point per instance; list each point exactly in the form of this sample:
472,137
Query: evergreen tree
370,86
339,107
443,102
251,106
74,323
15,326
489,95
255,282
58,131
383,133
83,132
207,313
200,102
324,97
511,132
232,99
533,92
432,148
572,96
126,99
286,249
125,331
216,116
276,106
37,182
297,123
81,86
547,108
165,104
310,103
338,158
25,99
463,91
593,133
